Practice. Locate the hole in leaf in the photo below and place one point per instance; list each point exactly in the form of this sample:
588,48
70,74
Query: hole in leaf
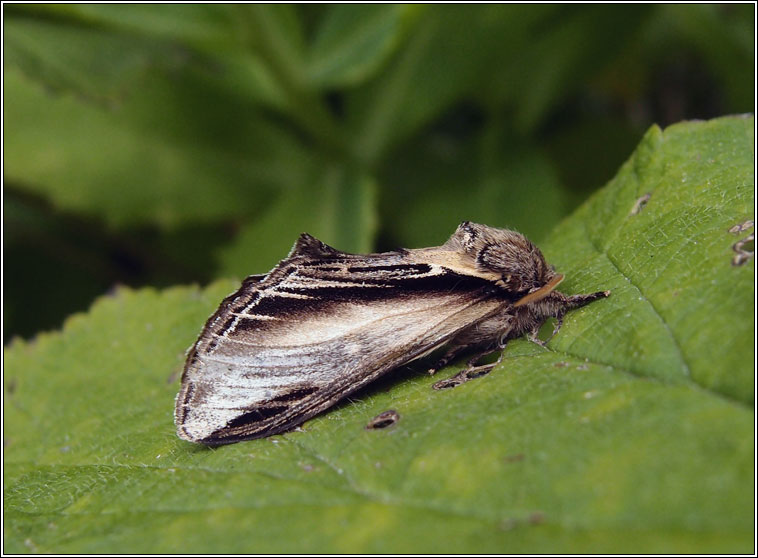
383,420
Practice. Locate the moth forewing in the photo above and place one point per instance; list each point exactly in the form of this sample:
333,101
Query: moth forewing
324,323
285,350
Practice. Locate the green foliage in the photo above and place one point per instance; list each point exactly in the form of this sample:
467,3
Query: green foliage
369,126
632,432
168,144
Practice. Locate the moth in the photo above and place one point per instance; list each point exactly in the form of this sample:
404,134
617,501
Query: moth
324,323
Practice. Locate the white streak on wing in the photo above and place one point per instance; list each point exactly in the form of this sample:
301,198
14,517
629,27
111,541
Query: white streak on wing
265,357
228,395
296,282
252,381
255,316
204,421
228,339
338,323
261,317
241,399
310,284
262,368
285,294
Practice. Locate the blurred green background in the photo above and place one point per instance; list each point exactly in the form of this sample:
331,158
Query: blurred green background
173,144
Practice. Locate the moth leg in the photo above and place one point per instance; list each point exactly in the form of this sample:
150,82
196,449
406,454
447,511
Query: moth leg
449,356
556,329
532,336
486,336
472,369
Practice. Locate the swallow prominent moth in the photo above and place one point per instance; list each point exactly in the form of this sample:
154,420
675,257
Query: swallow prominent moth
323,323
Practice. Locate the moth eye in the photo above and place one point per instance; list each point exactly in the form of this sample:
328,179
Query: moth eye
514,283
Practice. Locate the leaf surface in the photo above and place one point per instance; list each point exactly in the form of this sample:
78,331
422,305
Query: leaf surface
632,432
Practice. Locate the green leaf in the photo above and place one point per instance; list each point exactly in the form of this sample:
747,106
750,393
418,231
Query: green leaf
685,311
435,184
167,154
556,61
101,52
353,41
134,126
208,26
632,432
526,57
723,36
418,85
277,31
92,62
338,208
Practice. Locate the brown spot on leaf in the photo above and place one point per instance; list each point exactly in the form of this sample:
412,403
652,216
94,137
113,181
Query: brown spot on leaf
536,518
640,204
744,249
383,420
464,376
740,227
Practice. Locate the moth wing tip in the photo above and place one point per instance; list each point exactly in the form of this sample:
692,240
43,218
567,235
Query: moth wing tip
186,436
195,431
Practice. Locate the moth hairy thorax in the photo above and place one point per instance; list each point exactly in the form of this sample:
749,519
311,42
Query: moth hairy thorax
323,323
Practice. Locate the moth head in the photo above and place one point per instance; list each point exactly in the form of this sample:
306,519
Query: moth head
519,263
